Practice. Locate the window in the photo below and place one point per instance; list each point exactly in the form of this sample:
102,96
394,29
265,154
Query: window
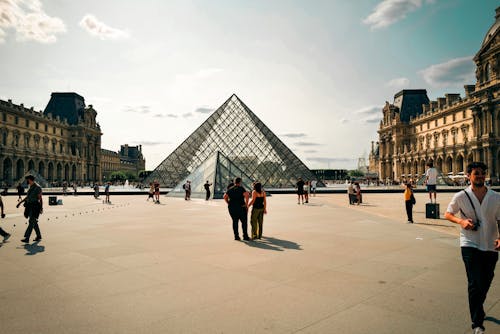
54,130
16,120
61,132
4,138
436,122
453,118
37,125
444,120
27,122
46,128
4,117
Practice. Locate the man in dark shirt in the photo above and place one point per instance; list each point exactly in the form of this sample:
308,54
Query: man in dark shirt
207,190
34,207
300,190
236,198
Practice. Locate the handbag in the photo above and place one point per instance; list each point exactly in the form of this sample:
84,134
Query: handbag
412,199
26,210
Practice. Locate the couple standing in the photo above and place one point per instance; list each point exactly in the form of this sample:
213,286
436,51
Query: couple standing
236,198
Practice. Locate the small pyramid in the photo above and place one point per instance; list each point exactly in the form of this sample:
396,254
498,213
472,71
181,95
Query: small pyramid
217,170
235,131
38,179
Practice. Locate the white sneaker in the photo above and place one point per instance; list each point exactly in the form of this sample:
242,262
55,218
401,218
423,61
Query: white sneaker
478,330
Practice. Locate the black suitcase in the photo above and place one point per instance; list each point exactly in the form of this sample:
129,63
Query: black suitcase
52,200
432,210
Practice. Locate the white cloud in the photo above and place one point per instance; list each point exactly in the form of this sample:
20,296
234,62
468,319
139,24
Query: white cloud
29,21
454,72
370,110
97,28
398,83
370,114
391,11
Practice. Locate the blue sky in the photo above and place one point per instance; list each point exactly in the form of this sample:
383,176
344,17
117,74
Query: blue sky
317,73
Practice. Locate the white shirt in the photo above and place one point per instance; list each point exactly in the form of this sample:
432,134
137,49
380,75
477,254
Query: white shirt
488,212
431,174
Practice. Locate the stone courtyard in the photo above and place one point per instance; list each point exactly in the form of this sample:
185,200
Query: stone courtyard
325,267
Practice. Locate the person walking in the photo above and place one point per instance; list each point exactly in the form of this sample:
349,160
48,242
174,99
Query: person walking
156,185
409,202
350,193
96,190
187,190
106,192
259,208
431,180
151,191
300,190
207,190
236,198
20,191
306,191
4,234
34,207
313,187
357,191
479,220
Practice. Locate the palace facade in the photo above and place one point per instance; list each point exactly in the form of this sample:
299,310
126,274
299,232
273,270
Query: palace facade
128,159
451,131
62,143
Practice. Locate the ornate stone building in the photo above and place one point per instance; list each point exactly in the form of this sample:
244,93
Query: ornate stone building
62,143
128,159
451,132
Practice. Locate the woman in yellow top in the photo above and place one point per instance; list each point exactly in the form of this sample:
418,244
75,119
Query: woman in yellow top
409,202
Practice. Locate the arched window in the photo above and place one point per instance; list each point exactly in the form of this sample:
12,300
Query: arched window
487,70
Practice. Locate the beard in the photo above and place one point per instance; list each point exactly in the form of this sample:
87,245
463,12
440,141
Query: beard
479,184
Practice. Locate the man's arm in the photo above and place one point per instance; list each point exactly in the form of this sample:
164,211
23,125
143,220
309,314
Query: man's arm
466,224
21,201
40,201
245,194
226,198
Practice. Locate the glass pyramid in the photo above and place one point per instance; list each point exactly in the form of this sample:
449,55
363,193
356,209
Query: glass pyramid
235,131
217,170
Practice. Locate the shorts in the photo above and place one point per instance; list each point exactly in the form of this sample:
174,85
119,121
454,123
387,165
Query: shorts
431,188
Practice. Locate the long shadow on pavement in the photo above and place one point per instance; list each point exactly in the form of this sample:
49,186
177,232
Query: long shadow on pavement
275,244
33,249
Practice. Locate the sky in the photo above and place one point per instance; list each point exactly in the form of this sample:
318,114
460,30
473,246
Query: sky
316,72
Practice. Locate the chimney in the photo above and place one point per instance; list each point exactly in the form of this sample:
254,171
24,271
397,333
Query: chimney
469,89
434,105
497,13
451,98
441,102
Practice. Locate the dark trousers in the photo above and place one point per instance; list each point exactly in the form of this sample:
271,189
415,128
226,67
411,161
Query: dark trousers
208,195
239,213
33,224
480,268
409,210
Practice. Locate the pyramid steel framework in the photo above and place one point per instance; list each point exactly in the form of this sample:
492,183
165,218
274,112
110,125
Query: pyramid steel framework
219,171
235,131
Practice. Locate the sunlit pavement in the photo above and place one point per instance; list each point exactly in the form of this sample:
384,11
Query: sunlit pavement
324,267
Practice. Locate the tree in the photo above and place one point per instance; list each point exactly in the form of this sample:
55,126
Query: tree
356,173
118,176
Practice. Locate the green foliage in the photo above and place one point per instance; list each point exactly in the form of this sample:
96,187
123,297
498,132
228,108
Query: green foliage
356,173
118,176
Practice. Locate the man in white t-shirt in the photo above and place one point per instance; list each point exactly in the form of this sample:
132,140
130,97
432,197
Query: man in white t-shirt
479,209
431,180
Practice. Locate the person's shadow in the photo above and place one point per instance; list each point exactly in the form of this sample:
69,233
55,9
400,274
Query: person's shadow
275,244
34,248
492,319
